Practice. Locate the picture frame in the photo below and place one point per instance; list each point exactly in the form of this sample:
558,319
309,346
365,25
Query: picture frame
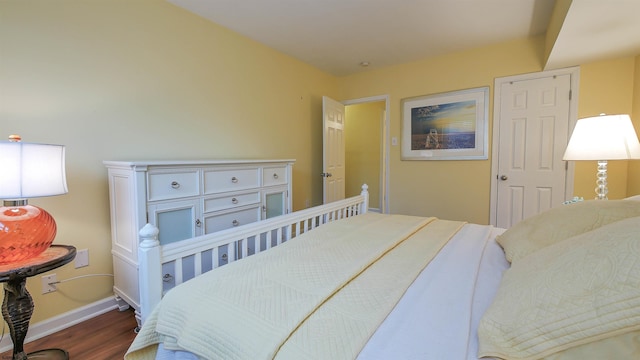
446,126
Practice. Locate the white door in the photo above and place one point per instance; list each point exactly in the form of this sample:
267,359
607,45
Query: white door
332,150
532,135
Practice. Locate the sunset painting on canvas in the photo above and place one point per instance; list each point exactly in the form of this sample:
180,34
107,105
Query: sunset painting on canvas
444,126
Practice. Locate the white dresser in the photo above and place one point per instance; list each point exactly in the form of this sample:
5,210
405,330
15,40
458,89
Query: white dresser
186,199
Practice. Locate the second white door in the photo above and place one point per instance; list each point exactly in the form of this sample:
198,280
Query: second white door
533,134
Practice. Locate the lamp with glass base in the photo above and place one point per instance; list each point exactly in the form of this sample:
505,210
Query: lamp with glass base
602,138
28,170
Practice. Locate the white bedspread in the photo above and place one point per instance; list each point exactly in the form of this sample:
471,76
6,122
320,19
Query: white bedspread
438,316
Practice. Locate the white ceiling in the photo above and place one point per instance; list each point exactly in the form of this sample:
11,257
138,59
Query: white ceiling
337,35
596,30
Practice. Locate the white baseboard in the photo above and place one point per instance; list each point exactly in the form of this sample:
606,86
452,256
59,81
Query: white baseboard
62,321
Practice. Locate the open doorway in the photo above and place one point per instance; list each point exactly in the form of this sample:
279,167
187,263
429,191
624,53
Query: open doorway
367,149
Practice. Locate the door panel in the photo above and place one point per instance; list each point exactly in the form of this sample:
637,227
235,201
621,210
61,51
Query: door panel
274,202
533,133
178,220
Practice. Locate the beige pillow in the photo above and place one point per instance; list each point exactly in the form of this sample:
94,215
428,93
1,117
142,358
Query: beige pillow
623,346
561,223
580,290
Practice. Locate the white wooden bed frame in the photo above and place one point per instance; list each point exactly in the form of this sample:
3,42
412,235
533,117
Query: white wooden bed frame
152,255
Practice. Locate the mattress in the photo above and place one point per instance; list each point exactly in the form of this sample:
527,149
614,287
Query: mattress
438,315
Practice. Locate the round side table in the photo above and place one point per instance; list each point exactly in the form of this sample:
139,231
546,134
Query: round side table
17,306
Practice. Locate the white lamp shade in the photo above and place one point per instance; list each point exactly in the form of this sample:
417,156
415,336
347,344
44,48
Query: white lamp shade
605,137
31,170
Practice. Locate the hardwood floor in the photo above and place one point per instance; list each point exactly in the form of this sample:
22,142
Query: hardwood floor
104,337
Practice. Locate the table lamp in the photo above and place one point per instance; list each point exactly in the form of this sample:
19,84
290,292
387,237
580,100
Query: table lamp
28,170
602,138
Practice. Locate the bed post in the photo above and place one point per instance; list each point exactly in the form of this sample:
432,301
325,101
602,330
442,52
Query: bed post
149,271
365,204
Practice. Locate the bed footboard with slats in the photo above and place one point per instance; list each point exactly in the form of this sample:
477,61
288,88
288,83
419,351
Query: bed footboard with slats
162,267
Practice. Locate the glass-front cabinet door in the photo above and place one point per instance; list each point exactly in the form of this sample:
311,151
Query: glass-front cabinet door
274,202
176,220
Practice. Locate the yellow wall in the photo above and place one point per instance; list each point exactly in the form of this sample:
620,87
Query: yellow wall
447,189
363,134
633,183
461,189
125,80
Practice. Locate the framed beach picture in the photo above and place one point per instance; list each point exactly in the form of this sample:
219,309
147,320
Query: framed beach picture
446,126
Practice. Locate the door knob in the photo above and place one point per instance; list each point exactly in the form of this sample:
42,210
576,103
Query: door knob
504,177
325,174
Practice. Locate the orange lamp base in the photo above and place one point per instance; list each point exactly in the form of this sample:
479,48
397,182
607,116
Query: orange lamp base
25,231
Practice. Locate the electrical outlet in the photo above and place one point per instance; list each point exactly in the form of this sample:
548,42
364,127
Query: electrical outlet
47,283
82,258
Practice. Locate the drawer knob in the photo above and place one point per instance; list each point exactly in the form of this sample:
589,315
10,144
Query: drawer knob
175,184
235,222
234,201
224,257
275,176
234,179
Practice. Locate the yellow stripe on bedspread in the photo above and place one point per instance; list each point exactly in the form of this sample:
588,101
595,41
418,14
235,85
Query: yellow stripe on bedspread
341,327
247,309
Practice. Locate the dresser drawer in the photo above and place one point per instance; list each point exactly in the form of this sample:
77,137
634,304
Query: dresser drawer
231,201
173,185
274,175
231,219
217,181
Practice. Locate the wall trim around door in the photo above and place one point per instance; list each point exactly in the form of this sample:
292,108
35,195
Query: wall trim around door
574,72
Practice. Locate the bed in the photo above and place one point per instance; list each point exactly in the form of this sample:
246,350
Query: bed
338,282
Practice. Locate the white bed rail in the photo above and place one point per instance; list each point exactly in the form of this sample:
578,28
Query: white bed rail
164,266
